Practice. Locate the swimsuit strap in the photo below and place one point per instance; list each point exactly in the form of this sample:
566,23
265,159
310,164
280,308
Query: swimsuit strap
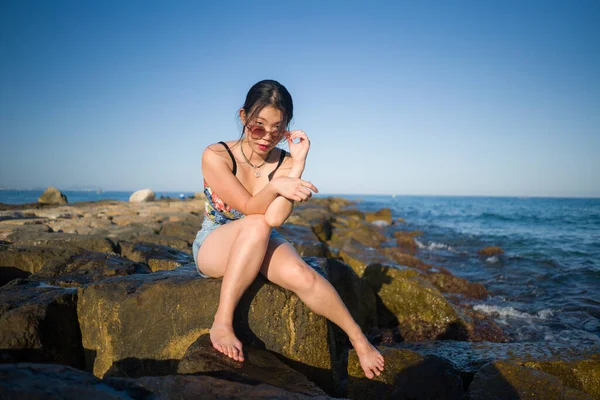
231,155
281,157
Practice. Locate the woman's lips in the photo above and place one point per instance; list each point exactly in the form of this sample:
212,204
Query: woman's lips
263,147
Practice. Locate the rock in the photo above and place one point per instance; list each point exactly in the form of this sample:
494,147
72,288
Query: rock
143,324
385,214
355,293
38,323
358,256
142,196
315,217
405,298
583,374
173,242
52,196
306,243
184,229
507,380
446,282
158,258
86,267
51,381
64,241
368,235
406,375
192,387
258,365
490,251
22,261
406,241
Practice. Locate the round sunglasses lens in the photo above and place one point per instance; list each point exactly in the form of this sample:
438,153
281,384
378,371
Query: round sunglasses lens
257,131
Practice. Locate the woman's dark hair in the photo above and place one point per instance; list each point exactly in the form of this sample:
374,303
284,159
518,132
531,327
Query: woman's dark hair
269,93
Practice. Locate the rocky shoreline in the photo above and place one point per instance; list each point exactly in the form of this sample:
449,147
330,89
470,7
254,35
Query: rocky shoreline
102,300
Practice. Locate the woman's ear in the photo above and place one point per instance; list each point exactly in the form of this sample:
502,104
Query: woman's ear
243,116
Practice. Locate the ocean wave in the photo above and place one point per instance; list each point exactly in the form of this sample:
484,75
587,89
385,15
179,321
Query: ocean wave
509,312
492,260
431,246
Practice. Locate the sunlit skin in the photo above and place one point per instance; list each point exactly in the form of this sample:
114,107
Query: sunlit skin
239,250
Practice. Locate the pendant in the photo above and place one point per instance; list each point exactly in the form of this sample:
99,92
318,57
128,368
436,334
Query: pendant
257,173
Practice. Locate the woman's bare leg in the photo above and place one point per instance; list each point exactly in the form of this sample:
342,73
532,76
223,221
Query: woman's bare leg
283,266
234,251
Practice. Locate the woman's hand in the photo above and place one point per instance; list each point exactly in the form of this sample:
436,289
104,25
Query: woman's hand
293,188
298,150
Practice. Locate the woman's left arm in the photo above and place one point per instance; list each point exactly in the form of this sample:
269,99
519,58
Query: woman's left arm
281,208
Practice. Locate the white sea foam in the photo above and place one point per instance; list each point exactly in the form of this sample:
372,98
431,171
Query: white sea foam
380,223
509,312
434,246
492,260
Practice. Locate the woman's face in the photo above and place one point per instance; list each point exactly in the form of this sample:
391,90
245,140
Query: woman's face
266,130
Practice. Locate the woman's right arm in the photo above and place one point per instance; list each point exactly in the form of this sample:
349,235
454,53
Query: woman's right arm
217,172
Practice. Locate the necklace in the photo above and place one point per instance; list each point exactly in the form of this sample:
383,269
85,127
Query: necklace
256,168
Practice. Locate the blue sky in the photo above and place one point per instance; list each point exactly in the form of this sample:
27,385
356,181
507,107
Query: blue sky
433,97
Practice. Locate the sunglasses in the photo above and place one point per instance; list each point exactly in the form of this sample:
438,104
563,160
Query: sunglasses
258,131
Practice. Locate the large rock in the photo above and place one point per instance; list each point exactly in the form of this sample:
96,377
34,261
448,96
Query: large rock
259,365
506,380
50,381
86,267
384,215
143,324
583,374
406,375
306,243
142,196
408,300
158,257
359,256
38,323
53,196
193,387
59,240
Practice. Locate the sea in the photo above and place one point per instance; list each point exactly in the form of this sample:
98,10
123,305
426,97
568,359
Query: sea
545,287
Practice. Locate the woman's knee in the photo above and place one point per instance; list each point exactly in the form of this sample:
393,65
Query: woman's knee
299,277
256,226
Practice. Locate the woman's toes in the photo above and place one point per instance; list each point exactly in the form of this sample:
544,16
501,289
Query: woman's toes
369,374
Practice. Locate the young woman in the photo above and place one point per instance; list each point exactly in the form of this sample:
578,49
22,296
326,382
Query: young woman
250,187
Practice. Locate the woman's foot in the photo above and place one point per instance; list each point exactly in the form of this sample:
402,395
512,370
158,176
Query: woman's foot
224,340
369,357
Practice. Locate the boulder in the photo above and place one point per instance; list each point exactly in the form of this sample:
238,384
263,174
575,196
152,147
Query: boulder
406,242
143,324
64,241
405,298
142,196
490,251
52,196
38,323
259,365
158,258
508,380
358,256
306,243
385,215
406,375
50,381
582,374
86,267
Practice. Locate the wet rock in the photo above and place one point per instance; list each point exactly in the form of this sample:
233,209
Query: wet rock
405,298
22,261
142,196
63,241
38,323
50,381
507,380
158,258
446,282
86,267
184,229
52,196
406,375
385,214
143,324
490,251
356,294
306,243
259,365
582,374
192,387
366,234
358,256
406,241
